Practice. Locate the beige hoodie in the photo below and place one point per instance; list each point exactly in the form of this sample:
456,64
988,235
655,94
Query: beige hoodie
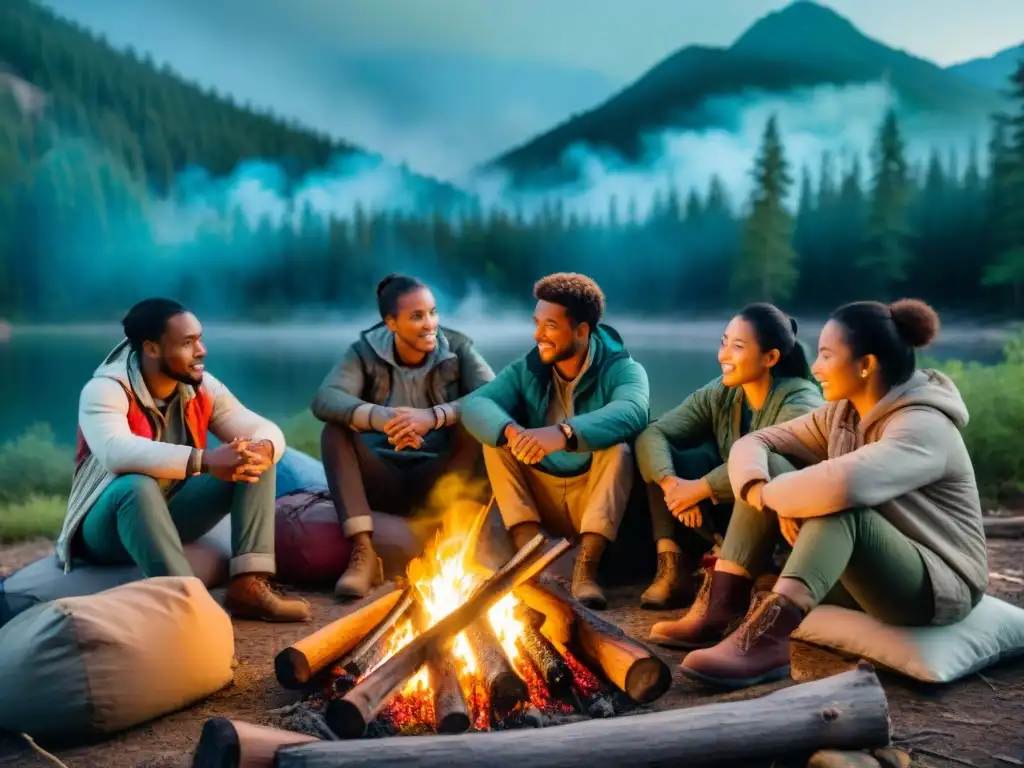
114,450
906,459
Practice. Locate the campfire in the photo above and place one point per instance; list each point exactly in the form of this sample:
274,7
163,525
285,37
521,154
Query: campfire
454,647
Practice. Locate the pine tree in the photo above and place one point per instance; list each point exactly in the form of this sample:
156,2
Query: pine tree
767,265
1006,196
886,254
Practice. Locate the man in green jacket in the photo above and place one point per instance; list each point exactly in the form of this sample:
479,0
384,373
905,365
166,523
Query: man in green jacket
392,408
556,423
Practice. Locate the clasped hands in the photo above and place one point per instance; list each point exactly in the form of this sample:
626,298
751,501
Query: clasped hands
240,461
530,446
406,427
788,526
682,498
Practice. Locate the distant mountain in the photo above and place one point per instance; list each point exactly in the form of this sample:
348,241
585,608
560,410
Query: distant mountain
803,45
158,122
440,112
993,72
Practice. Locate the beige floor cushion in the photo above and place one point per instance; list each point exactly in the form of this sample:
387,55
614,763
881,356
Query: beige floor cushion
993,631
81,667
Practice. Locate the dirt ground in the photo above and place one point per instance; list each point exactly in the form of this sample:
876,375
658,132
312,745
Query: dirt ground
974,722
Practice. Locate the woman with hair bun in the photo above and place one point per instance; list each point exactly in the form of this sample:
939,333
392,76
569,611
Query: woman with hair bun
765,379
392,408
885,517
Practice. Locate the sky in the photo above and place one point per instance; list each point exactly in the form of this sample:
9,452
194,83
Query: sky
620,38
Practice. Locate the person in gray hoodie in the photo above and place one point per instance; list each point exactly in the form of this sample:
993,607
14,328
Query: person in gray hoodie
884,516
393,407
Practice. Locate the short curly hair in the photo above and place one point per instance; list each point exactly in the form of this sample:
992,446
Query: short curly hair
582,298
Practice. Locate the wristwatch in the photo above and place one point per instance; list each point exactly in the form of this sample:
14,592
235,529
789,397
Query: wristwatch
570,435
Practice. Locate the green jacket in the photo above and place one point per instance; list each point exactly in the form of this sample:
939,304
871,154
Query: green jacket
611,403
713,412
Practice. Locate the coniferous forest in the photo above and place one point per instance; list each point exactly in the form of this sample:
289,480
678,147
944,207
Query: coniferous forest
86,178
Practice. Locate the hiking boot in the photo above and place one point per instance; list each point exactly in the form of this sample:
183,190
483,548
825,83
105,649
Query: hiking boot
250,596
364,571
756,652
721,602
673,584
584,575
523,533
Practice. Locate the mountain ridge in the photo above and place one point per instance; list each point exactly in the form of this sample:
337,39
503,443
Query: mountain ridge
801,45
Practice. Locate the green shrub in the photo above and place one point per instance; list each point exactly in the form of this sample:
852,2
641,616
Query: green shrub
35,517
34,465
302,433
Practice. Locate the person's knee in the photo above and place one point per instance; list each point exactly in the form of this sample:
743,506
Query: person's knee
332,436
779,465
137,493
618,455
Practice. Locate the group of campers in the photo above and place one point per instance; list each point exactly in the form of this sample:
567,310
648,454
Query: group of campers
853,468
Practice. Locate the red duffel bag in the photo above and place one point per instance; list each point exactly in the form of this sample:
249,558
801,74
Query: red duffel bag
313,552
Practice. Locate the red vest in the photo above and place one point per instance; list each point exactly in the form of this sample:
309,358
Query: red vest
198,411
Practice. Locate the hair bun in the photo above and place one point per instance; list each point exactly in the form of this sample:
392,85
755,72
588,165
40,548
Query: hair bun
388,279
793,326
916,322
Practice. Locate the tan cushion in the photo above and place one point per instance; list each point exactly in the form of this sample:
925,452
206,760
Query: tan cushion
993,631
86,666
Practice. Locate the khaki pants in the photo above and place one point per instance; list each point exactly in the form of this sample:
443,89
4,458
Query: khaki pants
593,502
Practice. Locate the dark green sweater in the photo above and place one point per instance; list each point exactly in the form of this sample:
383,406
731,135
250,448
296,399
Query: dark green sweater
714,412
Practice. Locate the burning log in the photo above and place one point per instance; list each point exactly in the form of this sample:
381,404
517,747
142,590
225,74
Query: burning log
374,646
848,711
348,716
226,743
548,662
505,689
297,664
451,713
630,665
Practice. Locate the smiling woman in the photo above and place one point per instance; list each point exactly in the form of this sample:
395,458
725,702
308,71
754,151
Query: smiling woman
765,380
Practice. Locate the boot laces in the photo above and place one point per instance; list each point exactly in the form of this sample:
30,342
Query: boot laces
703,599
359,557
761,616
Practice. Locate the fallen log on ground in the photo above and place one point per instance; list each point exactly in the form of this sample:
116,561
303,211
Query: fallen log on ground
297,664
225,743
1004,527
348,717
848,711
505,689
630,665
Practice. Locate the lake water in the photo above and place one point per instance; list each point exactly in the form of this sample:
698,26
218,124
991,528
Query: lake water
276,370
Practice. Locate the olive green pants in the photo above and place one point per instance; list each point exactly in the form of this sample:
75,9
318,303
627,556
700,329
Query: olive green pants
855,558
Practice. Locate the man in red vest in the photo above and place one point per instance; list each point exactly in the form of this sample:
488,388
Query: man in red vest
145,481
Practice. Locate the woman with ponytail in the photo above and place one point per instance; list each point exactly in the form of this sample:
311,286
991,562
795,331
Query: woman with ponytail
393,412
765,380
884,517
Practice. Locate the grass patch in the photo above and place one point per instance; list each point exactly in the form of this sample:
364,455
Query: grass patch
35,471
36,517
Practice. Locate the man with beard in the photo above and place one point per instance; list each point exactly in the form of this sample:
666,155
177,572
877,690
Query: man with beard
556,423
145,481
392,407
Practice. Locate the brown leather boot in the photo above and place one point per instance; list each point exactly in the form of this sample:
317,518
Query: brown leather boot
250,596
584,575
363,573
673,585
721,602
756,652
523,533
